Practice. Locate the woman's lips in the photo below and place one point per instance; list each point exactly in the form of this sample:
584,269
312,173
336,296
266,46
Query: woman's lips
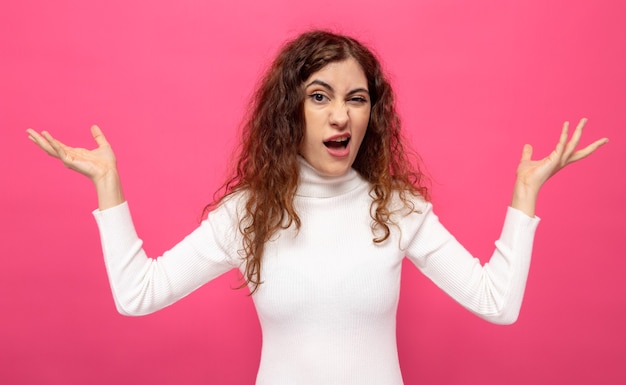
338,146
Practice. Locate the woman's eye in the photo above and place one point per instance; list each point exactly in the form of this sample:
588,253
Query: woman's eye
358,99
317,97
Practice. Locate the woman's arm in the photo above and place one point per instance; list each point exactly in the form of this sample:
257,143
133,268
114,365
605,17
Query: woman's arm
141,284
99,164
532,174
495,290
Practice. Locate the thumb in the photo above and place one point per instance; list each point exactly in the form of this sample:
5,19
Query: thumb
98,136
527,152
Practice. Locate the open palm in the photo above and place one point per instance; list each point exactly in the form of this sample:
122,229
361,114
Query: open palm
534,173
93,163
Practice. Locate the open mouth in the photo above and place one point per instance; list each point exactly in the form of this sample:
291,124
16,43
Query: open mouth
337,143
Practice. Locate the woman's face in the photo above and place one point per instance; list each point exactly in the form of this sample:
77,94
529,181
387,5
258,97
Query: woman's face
336,114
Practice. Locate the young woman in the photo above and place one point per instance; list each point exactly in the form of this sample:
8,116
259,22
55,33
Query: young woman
322,208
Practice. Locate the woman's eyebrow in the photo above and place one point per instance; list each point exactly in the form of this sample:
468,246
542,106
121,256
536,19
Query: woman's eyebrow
330,88
321,83
357,90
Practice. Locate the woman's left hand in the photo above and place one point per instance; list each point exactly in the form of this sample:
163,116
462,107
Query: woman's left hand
532,174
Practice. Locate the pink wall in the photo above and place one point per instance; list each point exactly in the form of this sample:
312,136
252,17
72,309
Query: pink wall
168,81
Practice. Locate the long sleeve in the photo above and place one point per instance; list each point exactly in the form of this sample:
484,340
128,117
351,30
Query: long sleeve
142,285
493,291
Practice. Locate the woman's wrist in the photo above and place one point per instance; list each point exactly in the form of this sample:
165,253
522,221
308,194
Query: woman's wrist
524,198
109,190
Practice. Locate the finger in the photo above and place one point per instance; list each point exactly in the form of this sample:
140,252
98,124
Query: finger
590,149
56,145
31,132
573,143
560,146
98,136
527,152
41,142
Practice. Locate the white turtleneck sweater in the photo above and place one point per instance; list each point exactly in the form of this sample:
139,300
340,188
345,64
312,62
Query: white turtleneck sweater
327,305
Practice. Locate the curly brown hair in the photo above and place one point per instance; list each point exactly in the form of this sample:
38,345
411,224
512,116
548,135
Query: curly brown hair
267,167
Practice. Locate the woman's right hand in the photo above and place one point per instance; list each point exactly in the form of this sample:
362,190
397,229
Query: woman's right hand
94,164
99,164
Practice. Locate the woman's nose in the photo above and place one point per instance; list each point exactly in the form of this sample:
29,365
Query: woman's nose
339,115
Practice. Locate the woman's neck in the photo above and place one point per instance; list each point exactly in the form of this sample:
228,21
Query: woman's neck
316,185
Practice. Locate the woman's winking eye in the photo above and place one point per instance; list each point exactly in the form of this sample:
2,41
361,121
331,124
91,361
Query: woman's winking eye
358,99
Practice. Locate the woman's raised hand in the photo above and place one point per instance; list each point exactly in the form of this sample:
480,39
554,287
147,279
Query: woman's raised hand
99,164
94,164
532,174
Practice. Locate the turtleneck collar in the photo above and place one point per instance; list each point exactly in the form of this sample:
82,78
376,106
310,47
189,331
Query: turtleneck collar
315,185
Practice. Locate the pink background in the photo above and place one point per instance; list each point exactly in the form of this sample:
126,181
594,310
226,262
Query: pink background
168,82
